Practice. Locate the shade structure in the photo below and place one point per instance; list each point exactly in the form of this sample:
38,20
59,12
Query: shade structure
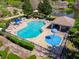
64,21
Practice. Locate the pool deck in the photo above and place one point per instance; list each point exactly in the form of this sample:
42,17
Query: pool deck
39,40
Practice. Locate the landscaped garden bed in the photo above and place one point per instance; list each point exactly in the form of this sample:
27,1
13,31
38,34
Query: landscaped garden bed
24,43
32,57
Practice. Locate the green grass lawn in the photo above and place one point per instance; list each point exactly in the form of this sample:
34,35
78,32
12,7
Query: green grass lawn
70,0
13,56
4,55
31,57
68,10
70,45
2,25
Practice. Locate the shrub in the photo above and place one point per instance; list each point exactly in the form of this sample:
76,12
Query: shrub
41,16
24,43
7,21
50,18
2,25
71,5
77,25
27,44
38,15
73,30
4,11
14,3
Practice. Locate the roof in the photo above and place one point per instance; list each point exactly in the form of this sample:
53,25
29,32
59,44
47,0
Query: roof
62,4
64,20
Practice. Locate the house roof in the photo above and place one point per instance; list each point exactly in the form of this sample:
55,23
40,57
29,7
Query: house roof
64,20
62,4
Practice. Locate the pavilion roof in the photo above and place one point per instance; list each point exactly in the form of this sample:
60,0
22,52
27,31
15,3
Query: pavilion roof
64,20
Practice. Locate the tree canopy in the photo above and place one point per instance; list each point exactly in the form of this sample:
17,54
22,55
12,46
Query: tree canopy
45,7
27,7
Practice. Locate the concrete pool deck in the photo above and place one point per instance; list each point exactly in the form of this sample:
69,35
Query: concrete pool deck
40,39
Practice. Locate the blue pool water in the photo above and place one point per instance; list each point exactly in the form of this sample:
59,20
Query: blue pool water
53,40
33,29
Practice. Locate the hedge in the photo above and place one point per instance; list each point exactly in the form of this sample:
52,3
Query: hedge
24,43
13,38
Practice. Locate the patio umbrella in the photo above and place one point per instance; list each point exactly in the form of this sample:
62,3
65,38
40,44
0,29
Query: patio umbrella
18,20
54,31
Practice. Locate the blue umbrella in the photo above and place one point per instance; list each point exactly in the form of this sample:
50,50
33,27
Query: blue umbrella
18,20
54,30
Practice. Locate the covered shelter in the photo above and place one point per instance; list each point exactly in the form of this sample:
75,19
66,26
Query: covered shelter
63,23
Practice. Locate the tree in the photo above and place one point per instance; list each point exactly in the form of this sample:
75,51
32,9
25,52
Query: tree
27,7
14,3
4,11
45,7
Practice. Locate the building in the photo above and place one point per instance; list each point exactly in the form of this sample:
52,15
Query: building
63,23
62,4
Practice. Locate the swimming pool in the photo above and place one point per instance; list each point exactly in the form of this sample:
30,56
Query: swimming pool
53,40
33,29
